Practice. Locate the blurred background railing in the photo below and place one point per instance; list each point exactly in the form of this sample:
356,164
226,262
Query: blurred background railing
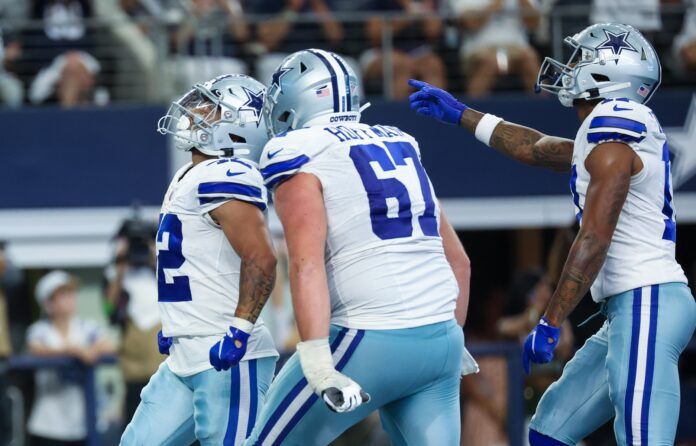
152,50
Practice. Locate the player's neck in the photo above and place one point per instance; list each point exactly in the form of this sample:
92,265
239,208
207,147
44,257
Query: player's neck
584,108
199,157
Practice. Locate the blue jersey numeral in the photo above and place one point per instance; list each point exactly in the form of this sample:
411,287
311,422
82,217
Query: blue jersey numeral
379,191
670,232
170,257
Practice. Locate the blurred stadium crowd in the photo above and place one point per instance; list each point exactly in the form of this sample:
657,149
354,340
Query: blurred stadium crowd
96,51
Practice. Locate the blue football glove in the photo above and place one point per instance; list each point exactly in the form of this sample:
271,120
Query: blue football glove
229,350
539,345
435,102
163,343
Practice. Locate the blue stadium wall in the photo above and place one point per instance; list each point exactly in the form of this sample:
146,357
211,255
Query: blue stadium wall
111,157
86,164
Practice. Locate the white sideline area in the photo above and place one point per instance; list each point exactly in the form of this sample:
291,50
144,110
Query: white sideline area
81,237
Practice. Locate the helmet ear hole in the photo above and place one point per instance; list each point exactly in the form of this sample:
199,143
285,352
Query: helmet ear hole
600,77
237,138
284,117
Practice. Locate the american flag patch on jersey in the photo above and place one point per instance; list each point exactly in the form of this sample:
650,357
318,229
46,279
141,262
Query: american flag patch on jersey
322,92
643,91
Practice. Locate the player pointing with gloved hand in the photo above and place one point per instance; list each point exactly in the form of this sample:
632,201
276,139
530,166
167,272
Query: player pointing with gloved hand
621,184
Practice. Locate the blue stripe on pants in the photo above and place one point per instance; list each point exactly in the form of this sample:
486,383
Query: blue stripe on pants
293,394
650,366
253,394
233,418
305,407
632,364
639,302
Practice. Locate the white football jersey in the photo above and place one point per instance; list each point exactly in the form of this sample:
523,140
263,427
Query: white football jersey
385,261
197,268
642,248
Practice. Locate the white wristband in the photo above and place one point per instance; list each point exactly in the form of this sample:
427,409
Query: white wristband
316,361
242,324
485,127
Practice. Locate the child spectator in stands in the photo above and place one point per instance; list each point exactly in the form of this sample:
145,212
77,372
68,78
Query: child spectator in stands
414,35
65,42
58,414
684,47
284,34
495,42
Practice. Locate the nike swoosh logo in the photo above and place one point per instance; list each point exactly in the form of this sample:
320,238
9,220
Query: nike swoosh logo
617,108
272,154
233,174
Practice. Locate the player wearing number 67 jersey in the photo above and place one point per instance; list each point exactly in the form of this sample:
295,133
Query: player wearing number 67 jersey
621,185
215,271
376,272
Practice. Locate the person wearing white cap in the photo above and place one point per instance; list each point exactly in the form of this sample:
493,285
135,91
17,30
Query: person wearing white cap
58,414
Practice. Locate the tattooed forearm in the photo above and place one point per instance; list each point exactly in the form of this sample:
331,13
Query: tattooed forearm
610,169
553,153
525,144
256,282
585,259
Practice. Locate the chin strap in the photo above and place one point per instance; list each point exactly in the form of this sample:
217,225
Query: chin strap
607,89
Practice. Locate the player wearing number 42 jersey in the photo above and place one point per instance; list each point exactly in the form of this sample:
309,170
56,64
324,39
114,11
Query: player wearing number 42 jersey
376,271
621,186
215,271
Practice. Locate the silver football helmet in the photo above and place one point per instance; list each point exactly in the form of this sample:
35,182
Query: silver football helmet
609,60
309,84
221,117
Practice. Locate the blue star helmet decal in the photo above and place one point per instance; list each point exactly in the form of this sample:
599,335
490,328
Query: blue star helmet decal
616,43
254,103
279,73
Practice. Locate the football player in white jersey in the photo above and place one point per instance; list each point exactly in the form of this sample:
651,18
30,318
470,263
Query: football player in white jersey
621,185
215,271
377,273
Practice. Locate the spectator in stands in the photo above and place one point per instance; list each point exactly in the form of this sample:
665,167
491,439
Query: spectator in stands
131,300
5,351
11,88
209,43
5,344
533,289
414,33
484,394
58,413
65,41
285,34
495,42
684,47
643,14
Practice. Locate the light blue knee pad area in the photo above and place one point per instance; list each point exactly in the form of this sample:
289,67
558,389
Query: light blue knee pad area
216,408
627,371
412,376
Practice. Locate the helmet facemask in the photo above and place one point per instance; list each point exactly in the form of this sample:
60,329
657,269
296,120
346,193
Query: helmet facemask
563,81
202,120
